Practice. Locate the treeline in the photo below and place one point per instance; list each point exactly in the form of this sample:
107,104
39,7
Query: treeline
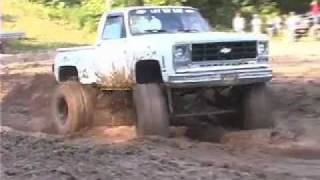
85,13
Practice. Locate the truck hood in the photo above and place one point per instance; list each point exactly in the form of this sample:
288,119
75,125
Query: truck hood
201,37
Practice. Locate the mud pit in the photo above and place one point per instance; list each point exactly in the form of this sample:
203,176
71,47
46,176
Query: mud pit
290,151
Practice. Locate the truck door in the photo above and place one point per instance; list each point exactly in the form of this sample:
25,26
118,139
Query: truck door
111,64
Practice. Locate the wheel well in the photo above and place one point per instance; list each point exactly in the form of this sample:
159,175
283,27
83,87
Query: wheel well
148,71
67,73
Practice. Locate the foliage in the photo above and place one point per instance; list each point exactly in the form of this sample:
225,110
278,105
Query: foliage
42,33
63,23
85,13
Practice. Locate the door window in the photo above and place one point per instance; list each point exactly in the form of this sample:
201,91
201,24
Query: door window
114,28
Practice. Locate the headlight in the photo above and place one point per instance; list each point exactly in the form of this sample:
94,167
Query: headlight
181,54
263,48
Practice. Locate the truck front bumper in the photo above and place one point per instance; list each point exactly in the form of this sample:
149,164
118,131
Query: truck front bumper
230,77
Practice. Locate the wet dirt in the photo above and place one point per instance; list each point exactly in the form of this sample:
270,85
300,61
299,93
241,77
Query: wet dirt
291,150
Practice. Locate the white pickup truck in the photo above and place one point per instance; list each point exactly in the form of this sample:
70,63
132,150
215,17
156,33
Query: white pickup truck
163,53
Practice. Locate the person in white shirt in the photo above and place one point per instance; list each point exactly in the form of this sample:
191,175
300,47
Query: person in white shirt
271,27
256,24
0,21
292,23
140,24
278,24
238,23
155,23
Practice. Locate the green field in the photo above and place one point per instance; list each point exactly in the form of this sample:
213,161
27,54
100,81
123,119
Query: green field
42,33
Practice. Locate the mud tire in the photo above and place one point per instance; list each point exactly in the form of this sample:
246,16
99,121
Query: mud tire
151,109
256,109
72,107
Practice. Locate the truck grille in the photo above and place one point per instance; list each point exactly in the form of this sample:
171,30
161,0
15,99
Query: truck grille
224,51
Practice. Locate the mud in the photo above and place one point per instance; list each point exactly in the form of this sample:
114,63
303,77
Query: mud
123,77
46,157
291,150
26,91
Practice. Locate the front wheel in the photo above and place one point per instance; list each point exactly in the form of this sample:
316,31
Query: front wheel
151,109
256,110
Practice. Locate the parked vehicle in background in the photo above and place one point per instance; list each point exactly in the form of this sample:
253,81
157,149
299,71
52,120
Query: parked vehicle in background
308,27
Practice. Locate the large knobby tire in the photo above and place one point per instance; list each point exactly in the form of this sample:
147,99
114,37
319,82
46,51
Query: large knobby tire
256,108
72,107
151,109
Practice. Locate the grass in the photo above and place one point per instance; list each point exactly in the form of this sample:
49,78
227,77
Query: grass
42,33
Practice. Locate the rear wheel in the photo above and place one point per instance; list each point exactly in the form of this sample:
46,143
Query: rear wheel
72,107
151,109
255,110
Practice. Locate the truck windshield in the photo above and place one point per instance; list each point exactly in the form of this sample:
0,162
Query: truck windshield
166,20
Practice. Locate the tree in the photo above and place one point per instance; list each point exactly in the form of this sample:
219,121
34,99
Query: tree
139,2
218,12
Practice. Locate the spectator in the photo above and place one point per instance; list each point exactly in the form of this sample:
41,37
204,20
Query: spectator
315,11
1,30
0,20
292,23
271,27
238,23
256,24
278,24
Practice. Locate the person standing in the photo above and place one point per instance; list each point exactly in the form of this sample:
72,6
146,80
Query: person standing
278,24
271,27
256,24
238,23
1,43
292,23
315,11
1,18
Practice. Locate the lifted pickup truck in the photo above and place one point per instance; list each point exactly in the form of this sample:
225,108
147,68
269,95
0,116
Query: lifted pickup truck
163,53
